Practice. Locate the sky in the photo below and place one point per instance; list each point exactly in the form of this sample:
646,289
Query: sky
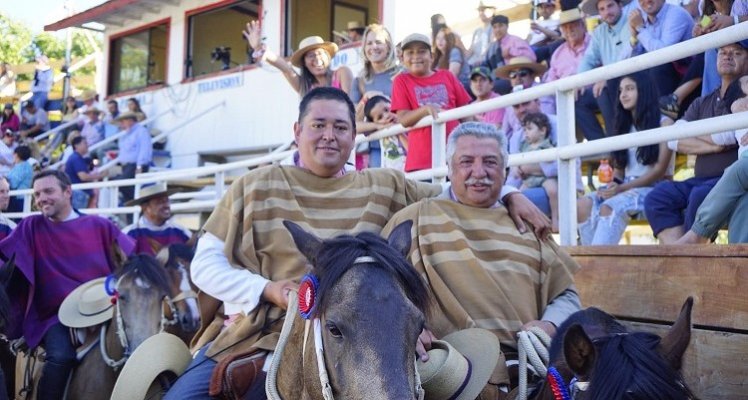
28,11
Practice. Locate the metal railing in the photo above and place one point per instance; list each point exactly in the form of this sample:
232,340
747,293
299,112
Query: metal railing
565,153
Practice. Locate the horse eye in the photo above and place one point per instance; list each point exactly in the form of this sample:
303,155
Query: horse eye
334,331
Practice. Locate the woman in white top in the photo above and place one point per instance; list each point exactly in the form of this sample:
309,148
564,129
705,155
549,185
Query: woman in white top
7,81
604,214
313,59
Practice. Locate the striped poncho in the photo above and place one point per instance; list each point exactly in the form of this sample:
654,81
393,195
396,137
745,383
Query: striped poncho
249,221
481,271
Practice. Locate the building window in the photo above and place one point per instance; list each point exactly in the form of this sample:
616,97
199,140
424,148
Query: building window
215,41
138,59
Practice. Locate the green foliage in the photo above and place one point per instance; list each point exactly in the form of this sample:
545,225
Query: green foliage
15,38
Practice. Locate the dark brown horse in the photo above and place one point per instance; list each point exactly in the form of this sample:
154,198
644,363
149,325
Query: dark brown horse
596,357
369,306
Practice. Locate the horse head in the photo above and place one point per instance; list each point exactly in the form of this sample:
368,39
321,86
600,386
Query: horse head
370,303
181,305
604,361
141,286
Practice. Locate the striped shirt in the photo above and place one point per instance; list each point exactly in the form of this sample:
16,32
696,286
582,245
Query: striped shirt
150,238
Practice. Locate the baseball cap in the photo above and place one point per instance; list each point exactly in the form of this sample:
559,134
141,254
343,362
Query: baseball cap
414,38
482,71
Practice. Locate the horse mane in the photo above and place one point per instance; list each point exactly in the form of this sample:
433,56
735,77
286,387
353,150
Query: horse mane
630,367
145,267
595,322
336,256
179,250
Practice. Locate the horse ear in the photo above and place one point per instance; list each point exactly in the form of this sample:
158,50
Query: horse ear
307,243
675,343
579,351
400,237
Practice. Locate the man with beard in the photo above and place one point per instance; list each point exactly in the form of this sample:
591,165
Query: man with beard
56,252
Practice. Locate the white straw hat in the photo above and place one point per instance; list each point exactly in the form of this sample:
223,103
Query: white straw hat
87,305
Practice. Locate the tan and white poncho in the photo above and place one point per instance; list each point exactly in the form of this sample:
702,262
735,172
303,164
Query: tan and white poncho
249,221
481,271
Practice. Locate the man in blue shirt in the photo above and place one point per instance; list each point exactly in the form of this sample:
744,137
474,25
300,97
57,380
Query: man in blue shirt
135,150
655,25
78,168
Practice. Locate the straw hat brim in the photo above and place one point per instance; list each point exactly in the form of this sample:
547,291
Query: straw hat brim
503,71
297,58
481,347
589,7
127,115
159,353
141,200
70,315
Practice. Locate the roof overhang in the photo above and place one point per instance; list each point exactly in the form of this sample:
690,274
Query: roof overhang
114,13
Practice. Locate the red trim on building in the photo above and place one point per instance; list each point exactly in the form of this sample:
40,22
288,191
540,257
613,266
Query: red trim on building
90,15
140,28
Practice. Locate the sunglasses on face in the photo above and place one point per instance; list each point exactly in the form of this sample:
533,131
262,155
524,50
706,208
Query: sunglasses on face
519,74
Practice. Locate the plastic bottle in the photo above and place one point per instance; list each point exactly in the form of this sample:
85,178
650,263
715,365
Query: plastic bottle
604,172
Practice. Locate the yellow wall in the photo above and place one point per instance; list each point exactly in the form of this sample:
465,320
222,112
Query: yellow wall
216,29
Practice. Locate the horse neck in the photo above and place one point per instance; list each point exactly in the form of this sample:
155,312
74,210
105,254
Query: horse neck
113,346
295,382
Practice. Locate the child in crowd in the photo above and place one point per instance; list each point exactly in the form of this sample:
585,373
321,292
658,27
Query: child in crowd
420,92
537,129
394,148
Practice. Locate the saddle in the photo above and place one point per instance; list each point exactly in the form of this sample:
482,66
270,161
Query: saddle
239,376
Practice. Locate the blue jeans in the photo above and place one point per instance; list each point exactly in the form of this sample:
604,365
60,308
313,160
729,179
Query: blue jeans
672,204
728,200
39,99
602,230
539,197
59,365
194,383
80,199
586,108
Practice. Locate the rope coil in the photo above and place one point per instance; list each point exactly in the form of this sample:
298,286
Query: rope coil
533,347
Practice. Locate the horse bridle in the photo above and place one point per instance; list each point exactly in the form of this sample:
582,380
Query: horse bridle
562,391
170,303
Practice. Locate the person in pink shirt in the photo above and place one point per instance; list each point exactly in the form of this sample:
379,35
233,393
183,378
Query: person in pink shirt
419,92
565,62
504,49
481,84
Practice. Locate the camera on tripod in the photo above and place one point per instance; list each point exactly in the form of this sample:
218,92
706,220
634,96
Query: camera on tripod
222,54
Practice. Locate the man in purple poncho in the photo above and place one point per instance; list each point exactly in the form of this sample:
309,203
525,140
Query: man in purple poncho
55,253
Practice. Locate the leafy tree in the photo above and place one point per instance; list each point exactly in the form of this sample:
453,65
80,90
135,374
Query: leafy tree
15,38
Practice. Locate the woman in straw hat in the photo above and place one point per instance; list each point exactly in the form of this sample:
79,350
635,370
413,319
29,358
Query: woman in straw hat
313,58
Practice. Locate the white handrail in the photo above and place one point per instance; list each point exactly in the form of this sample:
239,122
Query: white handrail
55,130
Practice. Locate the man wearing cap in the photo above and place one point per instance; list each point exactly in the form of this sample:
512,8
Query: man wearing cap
154,229
93,127
544,36
505,48
481,270
52,262
671,206
244,262
78,168
135,150
482,36
481,84
565,62
608,45
6,225
34,120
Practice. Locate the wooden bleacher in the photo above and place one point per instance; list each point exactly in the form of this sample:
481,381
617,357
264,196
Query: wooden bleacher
645,286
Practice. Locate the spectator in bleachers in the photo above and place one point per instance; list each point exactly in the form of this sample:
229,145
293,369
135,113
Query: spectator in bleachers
68,150
421,92
608,45
355,31
43,81
9,120
6,225
7,81
133,106
537,136
154,229
7,145
523,72
313,58
70,110
93,127
78,168
448,55
656,25
671,206
34,120
565,62
728,200
112,111
482,36
135,150
394,148
604,214
380,68
544,36
481,84
504,49
20,175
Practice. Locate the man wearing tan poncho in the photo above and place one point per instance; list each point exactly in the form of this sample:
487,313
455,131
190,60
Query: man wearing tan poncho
484,273
246,261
